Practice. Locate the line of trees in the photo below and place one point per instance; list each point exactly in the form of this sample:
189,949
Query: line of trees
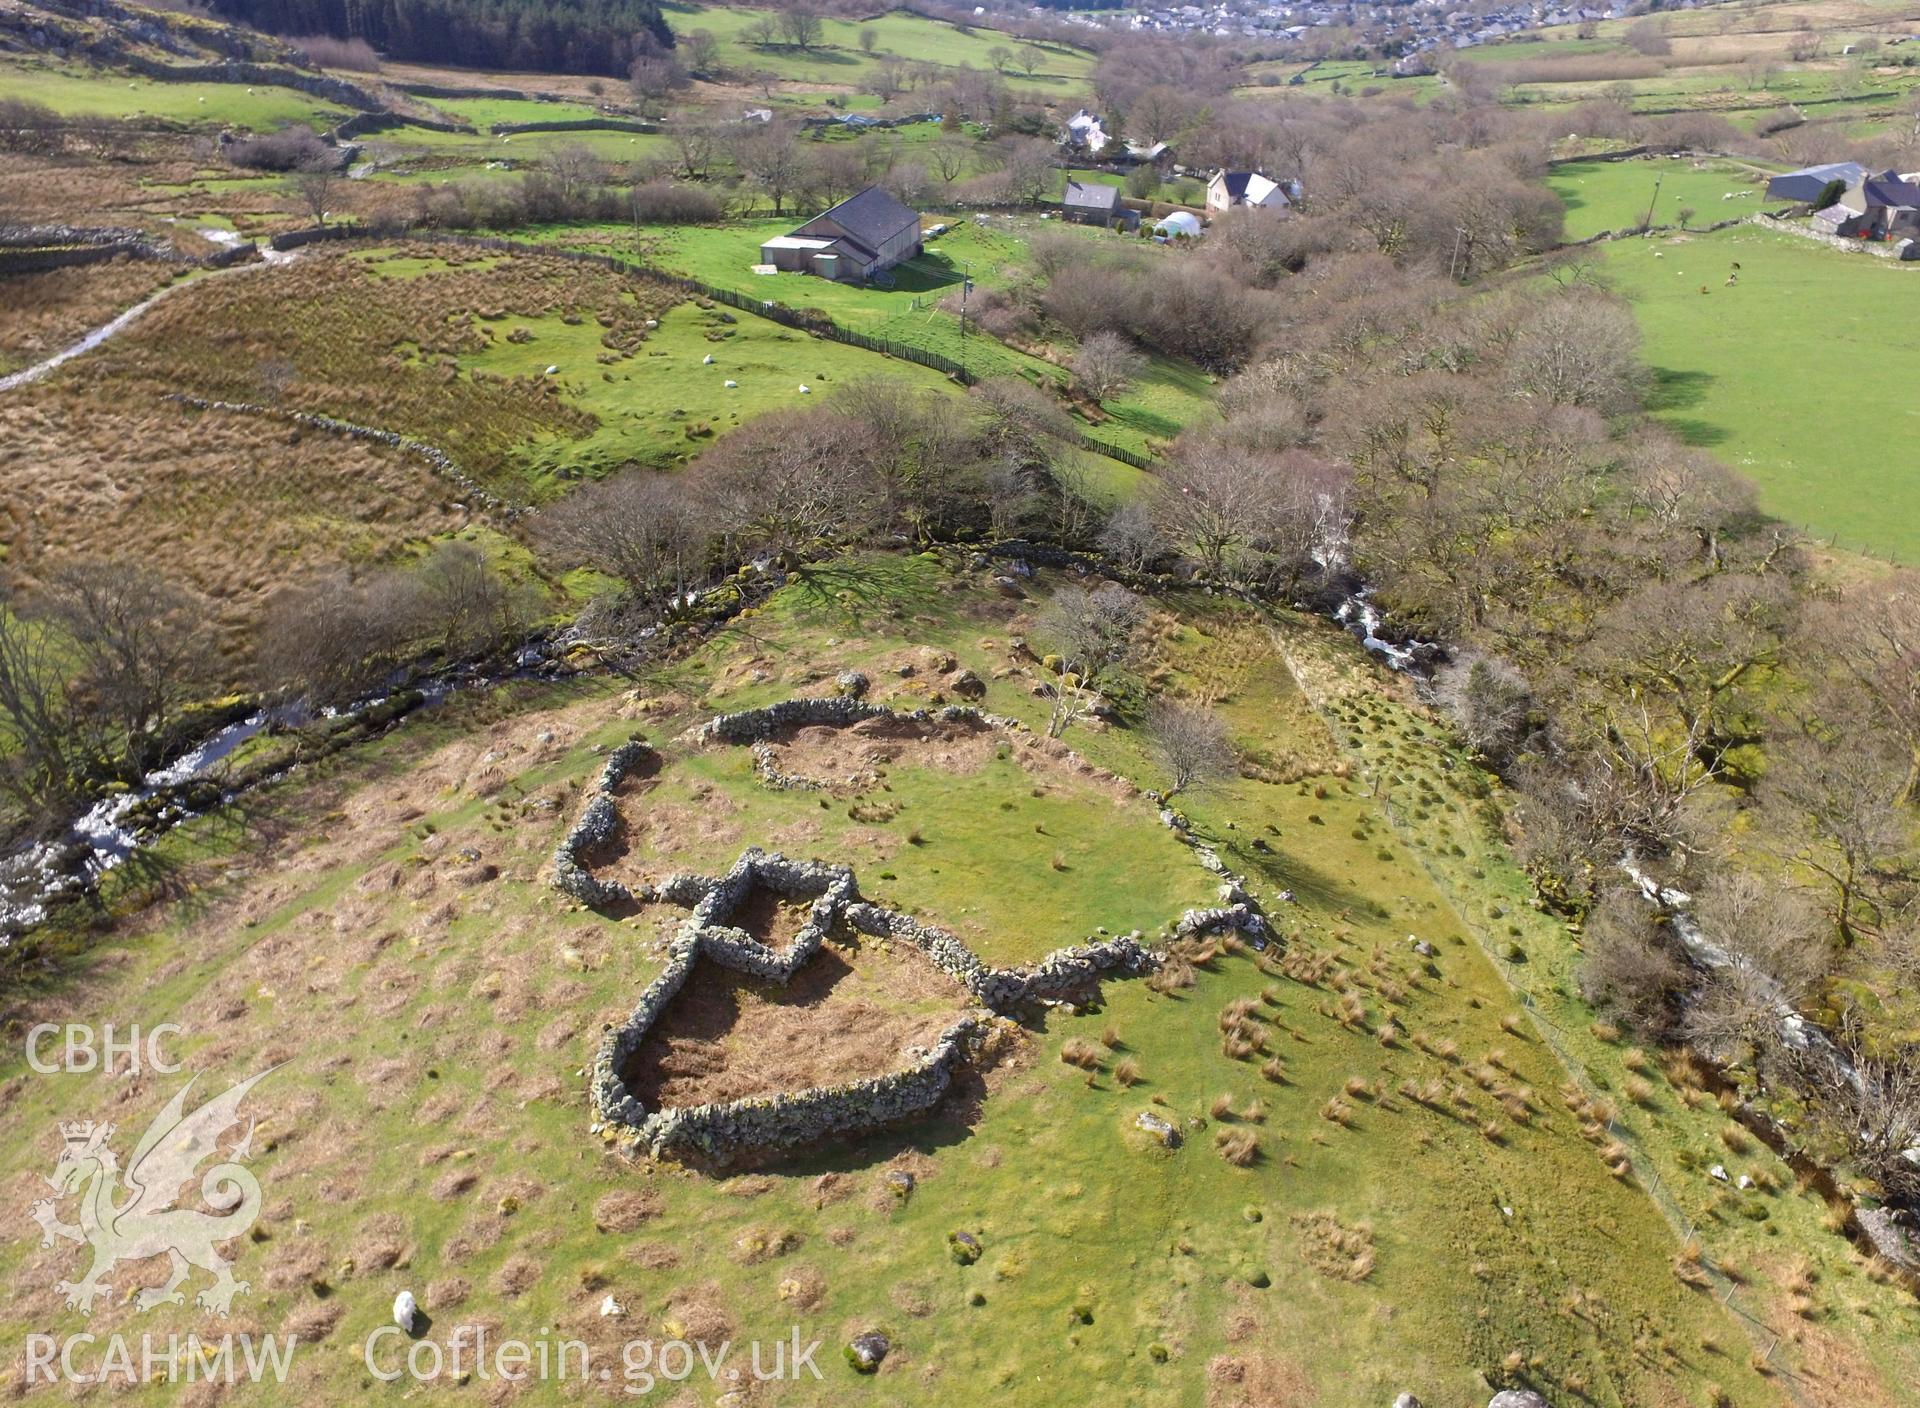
540,36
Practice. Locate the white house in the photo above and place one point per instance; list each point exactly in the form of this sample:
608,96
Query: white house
1228,189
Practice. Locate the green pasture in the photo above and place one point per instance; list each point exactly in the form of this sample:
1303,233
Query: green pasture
1799,376
907,38
1617,195
89,92
665,403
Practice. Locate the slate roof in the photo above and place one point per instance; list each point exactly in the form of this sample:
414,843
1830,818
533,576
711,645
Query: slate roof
1890,190
870,219
1091,195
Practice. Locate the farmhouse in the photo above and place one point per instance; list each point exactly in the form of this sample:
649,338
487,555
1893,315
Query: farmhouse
1090,202
1228,189
1875,207
860,238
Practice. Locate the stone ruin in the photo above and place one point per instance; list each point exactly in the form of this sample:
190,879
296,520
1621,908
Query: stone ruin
721,1131
717,1132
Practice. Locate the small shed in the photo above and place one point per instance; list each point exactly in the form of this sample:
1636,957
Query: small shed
1090,202
793,253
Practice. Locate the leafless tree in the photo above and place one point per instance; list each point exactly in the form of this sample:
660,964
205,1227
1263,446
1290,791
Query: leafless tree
653,79
1192,744
800,25
787,485
467,603
694,143
1647,37
1089,634
949,156
699,49
1775,955
51,753
139,648
869,39
1490,703
575,171
1578,349
769,156
1106,365
330,638
1628,963
1031,56
313,188
641,528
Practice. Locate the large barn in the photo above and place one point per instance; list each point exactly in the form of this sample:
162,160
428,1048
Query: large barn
864,235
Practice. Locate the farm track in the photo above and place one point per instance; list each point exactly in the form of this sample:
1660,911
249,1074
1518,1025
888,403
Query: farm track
111,329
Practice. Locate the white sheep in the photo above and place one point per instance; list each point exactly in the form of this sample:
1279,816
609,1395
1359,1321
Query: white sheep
707,360
805,390
732,384
552,370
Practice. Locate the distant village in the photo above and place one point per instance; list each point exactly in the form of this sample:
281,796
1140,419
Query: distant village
1407,29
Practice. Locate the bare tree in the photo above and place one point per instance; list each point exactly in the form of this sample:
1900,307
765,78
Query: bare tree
1578,348
467,603
1192,744
869,39
1106,365
1031,56
640,528
801,26
140,649
313,187
51,754
699,49
575,170
1087,634
1647,36
949,157
1000,56
331,638
694,144
769,156
787,485
653,79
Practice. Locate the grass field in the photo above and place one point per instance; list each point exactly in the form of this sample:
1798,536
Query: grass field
1167,396
908,38
1797,376
1617,195
1373,1242
91,92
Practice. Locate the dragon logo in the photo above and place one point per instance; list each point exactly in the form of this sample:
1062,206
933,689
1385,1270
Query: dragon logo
130,1215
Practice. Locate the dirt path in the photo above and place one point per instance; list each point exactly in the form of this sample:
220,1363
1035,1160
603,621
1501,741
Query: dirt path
112,329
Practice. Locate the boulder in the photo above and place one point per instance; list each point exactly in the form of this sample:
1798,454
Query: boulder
1159,1129
866,1351
1517,1398
968,685
852,684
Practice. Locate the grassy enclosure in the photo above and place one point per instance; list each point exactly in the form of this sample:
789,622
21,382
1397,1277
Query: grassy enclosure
1602,196
1309,1184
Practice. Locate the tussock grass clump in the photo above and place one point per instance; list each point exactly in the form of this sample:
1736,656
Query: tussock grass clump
1239,1147
1735,1137
1077,1051
1127,1072
1222,1106
1274,1069
1334,1249
1638,1090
